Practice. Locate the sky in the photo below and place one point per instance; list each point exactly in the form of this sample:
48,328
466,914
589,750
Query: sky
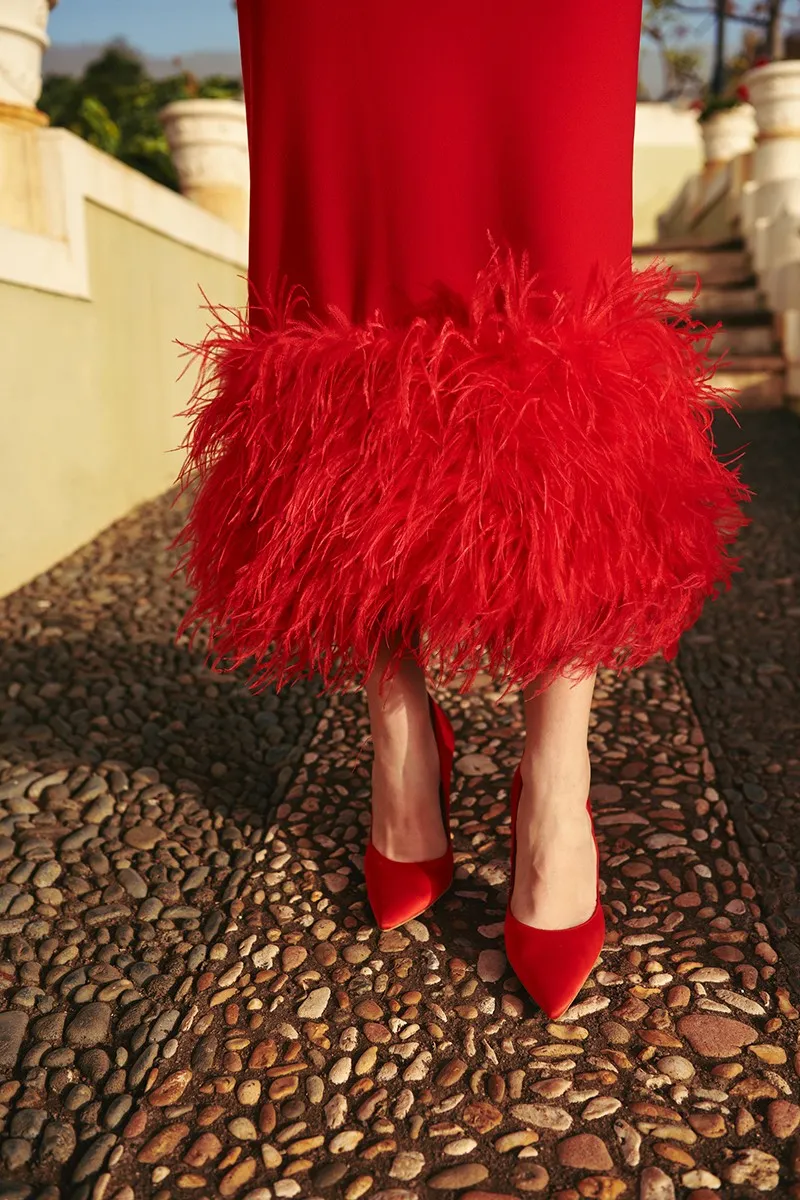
163,27
170,28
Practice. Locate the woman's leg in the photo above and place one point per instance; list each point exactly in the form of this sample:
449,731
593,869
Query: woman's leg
406,816
555,877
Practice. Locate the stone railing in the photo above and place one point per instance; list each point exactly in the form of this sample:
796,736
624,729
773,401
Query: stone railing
23,38
208,140
101,271
771,202
750,188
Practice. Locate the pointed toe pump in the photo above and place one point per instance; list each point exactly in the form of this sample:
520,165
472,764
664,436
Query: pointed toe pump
551,964
398,891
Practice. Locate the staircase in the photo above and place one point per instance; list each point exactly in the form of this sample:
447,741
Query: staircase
755,365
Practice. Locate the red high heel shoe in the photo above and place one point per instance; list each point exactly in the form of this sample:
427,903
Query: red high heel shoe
398,891
551,964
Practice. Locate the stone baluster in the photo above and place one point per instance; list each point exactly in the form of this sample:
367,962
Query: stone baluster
728,133
208,140
771,200
23,40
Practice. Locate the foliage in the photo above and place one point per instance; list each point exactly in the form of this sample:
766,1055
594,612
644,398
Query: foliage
716,104
115,104
680,66
760,21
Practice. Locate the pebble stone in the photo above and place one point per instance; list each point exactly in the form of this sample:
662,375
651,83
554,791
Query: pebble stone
12,1031
655,1184
542,1116
677,1067
755,1168
783,1118
585,1151
715,1036
463,1176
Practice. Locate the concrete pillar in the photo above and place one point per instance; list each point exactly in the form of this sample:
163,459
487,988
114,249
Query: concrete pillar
208,140
775,93
729,133
772,205
23,40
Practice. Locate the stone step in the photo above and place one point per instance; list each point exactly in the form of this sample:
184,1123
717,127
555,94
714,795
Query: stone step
713,266
755,368
678,243
745,339
758,380
743,323
722,300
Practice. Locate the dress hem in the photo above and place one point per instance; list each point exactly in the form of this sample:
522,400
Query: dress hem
526,480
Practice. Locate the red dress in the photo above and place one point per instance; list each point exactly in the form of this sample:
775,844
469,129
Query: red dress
452,408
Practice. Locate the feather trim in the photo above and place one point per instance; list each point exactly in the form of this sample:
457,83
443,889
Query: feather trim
526,481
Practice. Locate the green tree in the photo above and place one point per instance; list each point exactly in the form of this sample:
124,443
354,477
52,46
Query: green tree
115,104
664,22
663,25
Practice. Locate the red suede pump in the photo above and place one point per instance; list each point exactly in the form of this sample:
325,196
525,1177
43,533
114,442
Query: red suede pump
551,964
398,891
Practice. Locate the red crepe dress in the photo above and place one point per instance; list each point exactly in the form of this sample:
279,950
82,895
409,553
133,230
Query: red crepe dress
452,408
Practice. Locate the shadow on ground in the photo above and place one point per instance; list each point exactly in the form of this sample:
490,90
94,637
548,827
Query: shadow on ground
741,664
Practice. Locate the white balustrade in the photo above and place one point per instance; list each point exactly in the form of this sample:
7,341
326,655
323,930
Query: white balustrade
23,40
208,140
729,133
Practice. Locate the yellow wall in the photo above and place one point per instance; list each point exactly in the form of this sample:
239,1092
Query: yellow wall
659,173
90,389
22,191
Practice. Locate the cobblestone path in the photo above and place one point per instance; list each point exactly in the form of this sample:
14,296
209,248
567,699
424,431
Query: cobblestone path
742,663
194,1000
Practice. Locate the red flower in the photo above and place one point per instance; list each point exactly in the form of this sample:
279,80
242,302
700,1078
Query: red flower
743,92
761,62
697,105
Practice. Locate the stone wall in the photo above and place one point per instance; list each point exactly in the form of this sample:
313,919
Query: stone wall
100,272
668,151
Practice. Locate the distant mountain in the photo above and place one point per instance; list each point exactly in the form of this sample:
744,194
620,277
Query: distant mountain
72,59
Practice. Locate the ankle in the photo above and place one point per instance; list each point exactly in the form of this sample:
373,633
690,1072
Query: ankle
405,757
404,710
558,779
408,687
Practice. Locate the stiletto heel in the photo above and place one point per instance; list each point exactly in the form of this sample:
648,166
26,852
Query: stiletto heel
399,891
551,964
